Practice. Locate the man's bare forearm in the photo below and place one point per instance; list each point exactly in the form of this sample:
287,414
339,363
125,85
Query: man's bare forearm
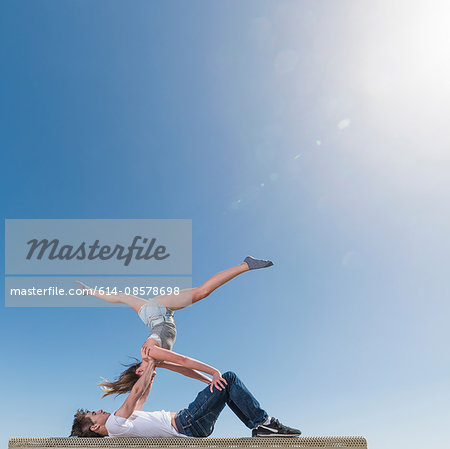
143,382
141,401
137,393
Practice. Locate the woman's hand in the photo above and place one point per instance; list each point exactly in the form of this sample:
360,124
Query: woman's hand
217,381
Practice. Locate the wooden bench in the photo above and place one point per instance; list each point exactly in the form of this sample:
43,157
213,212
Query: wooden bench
188,443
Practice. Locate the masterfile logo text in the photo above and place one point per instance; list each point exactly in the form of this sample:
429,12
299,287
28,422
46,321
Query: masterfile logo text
133,254
54,250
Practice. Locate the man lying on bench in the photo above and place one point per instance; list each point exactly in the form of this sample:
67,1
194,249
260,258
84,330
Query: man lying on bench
195,421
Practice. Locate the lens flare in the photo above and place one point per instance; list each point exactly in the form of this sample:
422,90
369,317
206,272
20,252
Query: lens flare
344,123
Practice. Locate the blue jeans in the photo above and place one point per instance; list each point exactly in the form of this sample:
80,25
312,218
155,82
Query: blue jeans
199,418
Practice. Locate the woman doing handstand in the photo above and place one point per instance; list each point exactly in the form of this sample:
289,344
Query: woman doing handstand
157,314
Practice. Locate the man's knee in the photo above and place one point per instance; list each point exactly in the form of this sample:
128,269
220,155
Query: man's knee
230,376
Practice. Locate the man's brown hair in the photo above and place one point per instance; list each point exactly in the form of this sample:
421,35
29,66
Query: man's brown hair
81,425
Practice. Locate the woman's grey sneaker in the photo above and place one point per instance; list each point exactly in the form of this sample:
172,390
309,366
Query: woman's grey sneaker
275,429
83,287
254,264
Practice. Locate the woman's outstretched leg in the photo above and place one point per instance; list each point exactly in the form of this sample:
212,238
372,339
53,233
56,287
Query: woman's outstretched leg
130,300
190,296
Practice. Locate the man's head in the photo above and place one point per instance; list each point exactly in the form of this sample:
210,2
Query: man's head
89,424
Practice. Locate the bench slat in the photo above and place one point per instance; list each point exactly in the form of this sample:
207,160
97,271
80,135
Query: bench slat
187,443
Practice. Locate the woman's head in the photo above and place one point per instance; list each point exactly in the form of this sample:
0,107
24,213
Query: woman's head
126,380
142,367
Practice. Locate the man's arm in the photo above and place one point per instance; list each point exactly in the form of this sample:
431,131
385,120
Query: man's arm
140,403
138,390
188,372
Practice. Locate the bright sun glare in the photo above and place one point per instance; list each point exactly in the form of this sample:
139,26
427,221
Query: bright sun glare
412,51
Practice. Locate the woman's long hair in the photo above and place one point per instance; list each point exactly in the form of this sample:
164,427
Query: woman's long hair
124,383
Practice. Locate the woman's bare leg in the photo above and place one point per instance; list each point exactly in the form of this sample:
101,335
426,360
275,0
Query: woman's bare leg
185,297
130,300
190,296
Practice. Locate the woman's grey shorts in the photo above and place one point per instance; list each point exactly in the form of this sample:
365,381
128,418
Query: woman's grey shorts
160,320
164,334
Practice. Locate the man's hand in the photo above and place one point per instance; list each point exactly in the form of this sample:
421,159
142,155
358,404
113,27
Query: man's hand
146,348
217,381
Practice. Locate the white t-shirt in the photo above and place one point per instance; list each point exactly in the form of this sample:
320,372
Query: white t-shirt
142,424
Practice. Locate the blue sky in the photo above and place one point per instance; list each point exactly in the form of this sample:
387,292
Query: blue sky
313,133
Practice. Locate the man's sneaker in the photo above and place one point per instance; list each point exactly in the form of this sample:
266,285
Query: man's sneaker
275,429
